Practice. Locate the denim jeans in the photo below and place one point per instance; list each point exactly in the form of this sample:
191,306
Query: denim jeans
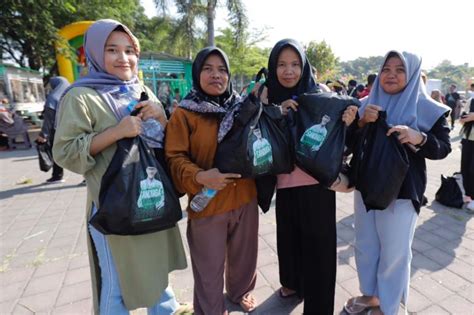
110,300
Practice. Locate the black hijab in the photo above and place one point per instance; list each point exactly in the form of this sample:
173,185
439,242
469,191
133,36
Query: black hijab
196,73
278,93
224,106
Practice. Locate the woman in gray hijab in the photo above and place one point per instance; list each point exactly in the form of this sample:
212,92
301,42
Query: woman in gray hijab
128,272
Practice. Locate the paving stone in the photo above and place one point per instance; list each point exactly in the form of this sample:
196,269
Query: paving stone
51,267
6,307
449,279
79,262
15,276
12,291
443,258
345,272
77,276
271,274
424,263
266,256
462,269
80,307
420,245
74,293
45,284
351,286
417,301
467,292
457,305
38,303
431,289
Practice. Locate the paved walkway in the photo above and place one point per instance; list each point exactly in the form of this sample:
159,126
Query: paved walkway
44,266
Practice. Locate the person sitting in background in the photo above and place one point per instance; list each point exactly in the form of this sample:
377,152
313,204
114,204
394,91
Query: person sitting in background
6,121
11,125
58,86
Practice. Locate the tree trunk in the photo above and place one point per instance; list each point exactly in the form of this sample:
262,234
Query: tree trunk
211,7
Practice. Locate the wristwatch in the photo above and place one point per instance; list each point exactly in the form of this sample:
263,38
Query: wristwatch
422,143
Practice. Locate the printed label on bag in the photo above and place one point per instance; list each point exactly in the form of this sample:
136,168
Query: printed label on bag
262,153
313,138
151,199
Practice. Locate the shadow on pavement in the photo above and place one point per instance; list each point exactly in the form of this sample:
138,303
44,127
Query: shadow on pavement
436,239
39,188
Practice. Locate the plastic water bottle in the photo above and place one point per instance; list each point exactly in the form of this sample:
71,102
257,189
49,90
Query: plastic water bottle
202,199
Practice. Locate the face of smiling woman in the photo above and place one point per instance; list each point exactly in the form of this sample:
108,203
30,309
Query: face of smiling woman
120,57
288,68
214,77
393,78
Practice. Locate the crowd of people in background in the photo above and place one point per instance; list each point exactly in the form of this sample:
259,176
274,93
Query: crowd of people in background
85,121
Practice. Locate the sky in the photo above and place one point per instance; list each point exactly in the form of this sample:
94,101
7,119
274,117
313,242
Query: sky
436,30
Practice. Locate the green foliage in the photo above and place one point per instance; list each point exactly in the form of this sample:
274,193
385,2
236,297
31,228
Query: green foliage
449,74
190,12
361,67
30,27
321,57
244,56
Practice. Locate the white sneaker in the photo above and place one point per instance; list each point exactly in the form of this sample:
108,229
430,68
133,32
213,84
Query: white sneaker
470,205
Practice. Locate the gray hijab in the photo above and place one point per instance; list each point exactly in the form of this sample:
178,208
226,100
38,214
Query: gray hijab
108,86
412,106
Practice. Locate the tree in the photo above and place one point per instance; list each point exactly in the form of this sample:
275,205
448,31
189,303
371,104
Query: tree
451,74
245,57
30,28
361,67
193,10
321,56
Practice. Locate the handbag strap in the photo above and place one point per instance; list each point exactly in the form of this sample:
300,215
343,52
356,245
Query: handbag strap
260,109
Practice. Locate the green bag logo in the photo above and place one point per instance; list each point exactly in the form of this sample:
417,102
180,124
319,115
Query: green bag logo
314,136
152,196
262,152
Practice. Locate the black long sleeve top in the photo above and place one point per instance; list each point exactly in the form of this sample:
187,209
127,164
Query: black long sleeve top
437,147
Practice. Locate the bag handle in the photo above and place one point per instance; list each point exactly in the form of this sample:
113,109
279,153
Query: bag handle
263,72
143,97
260,109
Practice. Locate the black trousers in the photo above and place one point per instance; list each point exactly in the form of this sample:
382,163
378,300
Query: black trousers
58,171
306,245
467,166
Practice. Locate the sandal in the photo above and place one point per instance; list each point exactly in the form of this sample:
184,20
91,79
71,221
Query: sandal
286,295
354,306
248,303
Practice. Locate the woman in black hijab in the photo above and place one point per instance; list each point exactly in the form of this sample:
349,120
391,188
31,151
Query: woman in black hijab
305,210
223,236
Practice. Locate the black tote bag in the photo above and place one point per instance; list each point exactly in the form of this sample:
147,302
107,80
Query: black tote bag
44,156
379,165
258,143
319,134
136,195
449,193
